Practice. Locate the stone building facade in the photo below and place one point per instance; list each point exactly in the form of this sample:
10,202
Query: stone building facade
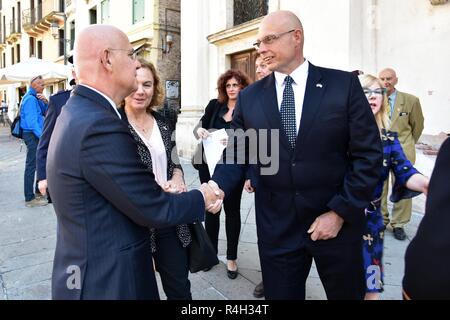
409,35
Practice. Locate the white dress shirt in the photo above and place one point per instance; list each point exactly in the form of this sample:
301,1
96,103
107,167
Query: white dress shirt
155,145
300,76
113,105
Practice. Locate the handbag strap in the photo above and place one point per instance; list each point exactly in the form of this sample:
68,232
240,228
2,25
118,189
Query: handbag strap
18,110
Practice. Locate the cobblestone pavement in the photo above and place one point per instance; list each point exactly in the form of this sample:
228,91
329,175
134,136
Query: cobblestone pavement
27,242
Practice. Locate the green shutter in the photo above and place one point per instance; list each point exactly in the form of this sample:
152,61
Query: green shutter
138,10
105,11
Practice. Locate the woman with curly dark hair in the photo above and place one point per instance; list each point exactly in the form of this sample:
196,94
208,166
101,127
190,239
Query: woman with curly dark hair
218,115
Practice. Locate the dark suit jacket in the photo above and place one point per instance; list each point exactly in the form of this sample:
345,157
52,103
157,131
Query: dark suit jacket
105,200
55,104
210,115
335,165
427,257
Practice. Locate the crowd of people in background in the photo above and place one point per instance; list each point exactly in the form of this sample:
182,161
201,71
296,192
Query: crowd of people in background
104,155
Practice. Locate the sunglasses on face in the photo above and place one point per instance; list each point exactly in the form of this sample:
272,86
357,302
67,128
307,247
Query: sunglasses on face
376,92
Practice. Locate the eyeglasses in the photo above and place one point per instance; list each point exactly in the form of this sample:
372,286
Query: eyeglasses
270,39
369,92
131,53
233,85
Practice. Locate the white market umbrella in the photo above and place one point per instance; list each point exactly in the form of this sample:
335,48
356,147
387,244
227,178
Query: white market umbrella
28,69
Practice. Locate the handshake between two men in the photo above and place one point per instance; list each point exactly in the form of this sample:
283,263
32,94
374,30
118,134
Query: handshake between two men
213,196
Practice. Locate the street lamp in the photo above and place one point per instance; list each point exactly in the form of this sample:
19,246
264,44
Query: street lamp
167,45
54,27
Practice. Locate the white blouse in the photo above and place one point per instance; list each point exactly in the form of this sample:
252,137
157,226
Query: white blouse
158,152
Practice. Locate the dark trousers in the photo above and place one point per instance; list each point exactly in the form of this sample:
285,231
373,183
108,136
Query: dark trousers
171,261
232,208
31,141
340,267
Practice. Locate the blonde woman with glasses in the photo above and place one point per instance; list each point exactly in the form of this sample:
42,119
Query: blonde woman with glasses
408,183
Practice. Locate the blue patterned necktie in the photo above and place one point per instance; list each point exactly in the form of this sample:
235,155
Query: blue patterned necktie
287,112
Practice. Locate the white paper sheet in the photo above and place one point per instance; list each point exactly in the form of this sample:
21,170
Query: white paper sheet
213,148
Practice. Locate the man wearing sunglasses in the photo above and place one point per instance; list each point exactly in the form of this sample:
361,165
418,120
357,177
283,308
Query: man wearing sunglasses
329,156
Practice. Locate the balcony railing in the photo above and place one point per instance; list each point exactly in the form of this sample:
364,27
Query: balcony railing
12,31
41,15
13,28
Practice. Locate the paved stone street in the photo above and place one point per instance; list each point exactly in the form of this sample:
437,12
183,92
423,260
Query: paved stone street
27,241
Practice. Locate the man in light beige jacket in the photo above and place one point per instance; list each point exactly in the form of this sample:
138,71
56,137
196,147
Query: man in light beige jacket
407,120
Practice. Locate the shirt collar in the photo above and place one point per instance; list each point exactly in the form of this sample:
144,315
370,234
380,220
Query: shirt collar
298,75
393,95
32,91
113,105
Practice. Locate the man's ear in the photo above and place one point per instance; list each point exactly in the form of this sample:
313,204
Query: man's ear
106,59
299,35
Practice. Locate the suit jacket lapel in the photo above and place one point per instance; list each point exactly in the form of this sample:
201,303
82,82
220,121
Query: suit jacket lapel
269,104
399,102
311,103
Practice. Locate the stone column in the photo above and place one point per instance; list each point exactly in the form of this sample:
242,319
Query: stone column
194,74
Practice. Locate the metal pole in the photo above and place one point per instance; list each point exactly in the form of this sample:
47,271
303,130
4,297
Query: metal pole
64,39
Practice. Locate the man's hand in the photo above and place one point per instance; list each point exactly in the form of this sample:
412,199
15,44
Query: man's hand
42,186
248,186
213,196
326,226
41,97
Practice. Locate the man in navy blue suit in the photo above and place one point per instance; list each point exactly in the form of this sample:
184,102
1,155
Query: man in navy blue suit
326,157
55,104
104,197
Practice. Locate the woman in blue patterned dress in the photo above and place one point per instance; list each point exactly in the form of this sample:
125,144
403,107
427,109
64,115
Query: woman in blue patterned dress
408,183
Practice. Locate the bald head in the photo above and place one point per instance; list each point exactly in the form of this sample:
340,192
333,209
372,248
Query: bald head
280,41
283,18
389,79
104,60
90,44
389,71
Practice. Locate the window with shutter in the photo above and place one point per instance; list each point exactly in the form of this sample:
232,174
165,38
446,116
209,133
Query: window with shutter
138,11
105,11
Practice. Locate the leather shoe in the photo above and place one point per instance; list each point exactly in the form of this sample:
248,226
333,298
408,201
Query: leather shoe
399,234
259,290
232,274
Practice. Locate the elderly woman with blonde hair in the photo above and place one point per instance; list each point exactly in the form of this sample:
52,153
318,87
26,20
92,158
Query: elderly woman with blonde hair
408,183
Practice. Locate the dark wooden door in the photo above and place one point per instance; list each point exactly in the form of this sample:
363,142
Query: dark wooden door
245,62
